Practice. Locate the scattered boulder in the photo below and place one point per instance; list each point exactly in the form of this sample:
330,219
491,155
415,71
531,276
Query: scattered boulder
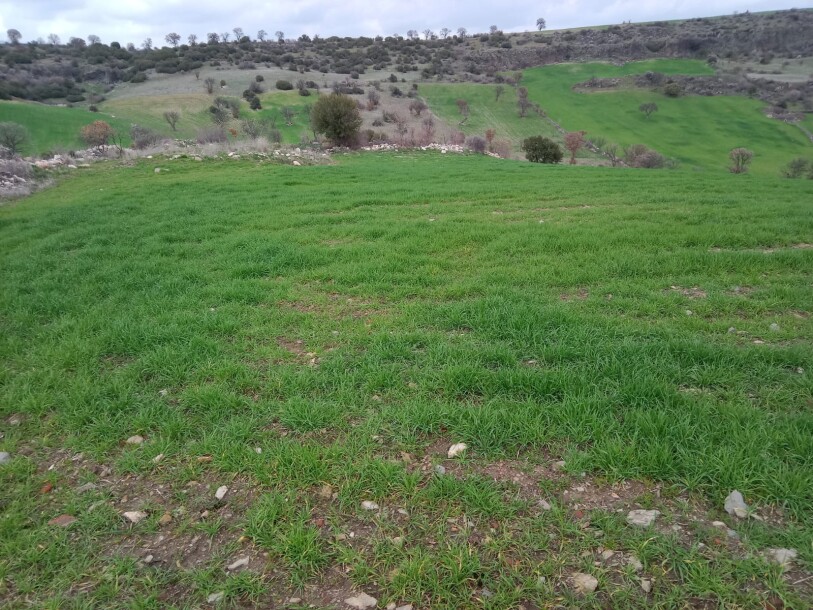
735,505
782,557
642,518
362,601
165,519
584,583
440,470
457,449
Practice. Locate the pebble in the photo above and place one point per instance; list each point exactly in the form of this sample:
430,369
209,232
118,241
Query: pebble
457,449
158,458
642,518
243,561
369,505
148,559
85,488
774,327
560,465
362,601
404,607
635,563
294,600
62,520
544,505
783,557
5,456
689,312
440,470
134,516
584,583
165,519
732,330
216,597
606,555
735,505
221,492
646,585
136,439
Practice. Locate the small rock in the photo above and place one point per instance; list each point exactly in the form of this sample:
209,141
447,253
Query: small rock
606,555
774,327
157,170
689,312
783,557
5,457
243,561
732,330
62,520
258,450
134,516
158,458
544,505
294,600
362,601
391,606
404,607
165,519
216,597
135,440
642,518
148,559
584,583
204,459
369,505
297,163
440,470
646,585
457,449
560,465
735,505
486,593
636,564
221,492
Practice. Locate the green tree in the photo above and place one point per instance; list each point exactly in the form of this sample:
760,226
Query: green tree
337,116
539,149
12,136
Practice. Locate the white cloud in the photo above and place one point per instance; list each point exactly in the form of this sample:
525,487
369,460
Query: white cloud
134,20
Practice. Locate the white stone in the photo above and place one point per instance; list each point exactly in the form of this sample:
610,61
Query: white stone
774,327
457,449
584,583
783,557
605,555
362,601
134,516
136,439
646,585
369,505
635,563
735,505
5,456
242,562
221,492
216,597
642,518
158,458
544,505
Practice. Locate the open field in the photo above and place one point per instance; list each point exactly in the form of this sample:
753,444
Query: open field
316,337
54,128
698,131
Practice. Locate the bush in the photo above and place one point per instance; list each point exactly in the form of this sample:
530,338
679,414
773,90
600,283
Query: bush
539,149
212,135
639,155
796,168
740,159
337,117
672,90
12,136
477,144
97,134
143,137
284,85
259,78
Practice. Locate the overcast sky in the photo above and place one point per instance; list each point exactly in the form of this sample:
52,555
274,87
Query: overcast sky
134,20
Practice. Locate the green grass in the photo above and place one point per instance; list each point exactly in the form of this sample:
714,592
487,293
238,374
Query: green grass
54,128
698,131
525,310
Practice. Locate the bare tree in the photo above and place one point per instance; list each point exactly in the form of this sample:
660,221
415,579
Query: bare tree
412,34
14,36
541,24
462,32
192,39
209,85
172,117
225,36
498,91
463,107
288,114
444,33
213,37
741,159
428,129
280,35
93,39
173,38
574,141
401,126
261,35
493,29
54,40
147,44
12,136
238,34
427,34
523,103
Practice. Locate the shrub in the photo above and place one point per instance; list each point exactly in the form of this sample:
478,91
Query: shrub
212,135
93,108
740,159
12,136
672,90
259,78
476,144
143,137
337,117
796,168
284,85
639,155
97,134
254,128
539,149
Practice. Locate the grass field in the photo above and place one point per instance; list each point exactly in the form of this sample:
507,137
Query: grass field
54,128
698,131
315,337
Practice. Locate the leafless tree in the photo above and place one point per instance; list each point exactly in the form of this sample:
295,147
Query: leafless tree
280,36
412,34
462,32
648,108
213,37
147,44
427,34
493,29
53,39
173,38
444,33
192,39
209,85
225,36
498,91
238,34
541,24
741,159
574,141
93,39
261,35
172,117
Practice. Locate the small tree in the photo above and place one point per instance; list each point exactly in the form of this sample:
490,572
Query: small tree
541,24
98,134
280,36
192,39
523,103
740,159
93,39
209,85
461,32
574,141
648,108
463,107
417,106
476,144
498,91
14,36
262,35
12,136
172,117
444,33
539,149
336,116
173,38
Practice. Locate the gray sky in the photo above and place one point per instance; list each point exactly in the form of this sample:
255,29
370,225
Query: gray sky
134,20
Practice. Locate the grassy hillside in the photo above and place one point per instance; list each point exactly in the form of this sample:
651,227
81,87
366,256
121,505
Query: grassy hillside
698,131
54,128
315,337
